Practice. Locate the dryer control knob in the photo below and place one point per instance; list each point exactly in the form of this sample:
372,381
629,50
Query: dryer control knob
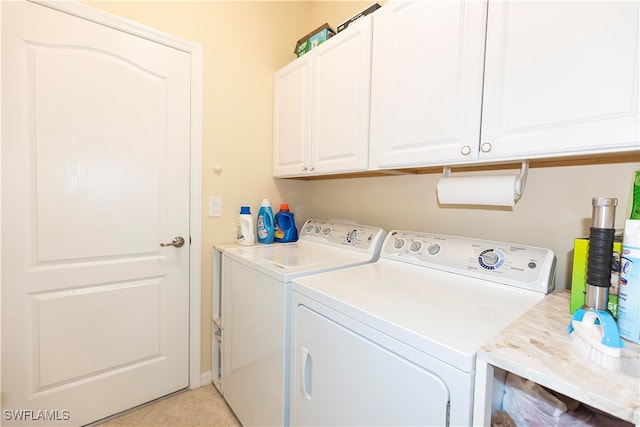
433,249
415,246
490,258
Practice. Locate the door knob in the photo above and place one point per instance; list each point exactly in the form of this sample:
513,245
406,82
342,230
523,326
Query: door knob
178,242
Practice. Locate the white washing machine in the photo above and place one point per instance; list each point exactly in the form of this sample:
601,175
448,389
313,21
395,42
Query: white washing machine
394,342
255,321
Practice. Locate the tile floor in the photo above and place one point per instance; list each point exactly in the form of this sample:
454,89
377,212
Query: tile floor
201,407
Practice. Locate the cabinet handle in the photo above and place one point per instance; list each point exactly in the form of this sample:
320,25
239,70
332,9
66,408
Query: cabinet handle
305,373
485,147
311,168
304,168
465,150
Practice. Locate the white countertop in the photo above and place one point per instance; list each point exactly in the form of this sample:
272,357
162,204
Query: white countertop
538,347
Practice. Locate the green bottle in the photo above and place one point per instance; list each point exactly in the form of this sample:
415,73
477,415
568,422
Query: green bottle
635,197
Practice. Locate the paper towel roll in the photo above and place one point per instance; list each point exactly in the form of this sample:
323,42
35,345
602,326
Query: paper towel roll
493,190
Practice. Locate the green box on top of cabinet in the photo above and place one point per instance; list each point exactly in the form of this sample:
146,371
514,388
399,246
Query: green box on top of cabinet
314,39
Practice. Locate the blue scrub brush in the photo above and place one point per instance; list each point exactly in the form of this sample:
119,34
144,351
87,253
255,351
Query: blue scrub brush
595,334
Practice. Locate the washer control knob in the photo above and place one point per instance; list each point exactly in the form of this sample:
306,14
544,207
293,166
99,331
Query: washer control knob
398,243
317,229
309,228
326,231
434,249
415,246
353,236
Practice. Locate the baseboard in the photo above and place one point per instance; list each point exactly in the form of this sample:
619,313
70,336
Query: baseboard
205,379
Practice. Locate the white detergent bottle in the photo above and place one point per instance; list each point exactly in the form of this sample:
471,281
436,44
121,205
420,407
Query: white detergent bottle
245,235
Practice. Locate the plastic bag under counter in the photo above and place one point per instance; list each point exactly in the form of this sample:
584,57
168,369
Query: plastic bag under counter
527,403
537,347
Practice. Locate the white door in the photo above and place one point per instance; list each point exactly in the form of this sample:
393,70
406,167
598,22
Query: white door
95,175
560,78
427,82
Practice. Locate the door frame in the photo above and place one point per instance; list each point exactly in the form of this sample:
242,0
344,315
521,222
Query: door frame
195,180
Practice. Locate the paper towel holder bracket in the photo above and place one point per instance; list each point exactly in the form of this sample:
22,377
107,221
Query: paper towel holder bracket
520,182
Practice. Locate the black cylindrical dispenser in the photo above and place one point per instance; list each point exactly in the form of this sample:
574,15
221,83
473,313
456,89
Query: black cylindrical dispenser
601,236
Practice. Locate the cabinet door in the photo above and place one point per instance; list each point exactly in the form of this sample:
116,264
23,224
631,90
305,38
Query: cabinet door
561,78
427,82
340,101
341,378
291,131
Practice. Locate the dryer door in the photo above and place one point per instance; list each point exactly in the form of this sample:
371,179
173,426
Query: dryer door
344,377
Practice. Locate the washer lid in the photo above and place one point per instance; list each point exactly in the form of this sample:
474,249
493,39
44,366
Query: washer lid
446,315
323,245
289,260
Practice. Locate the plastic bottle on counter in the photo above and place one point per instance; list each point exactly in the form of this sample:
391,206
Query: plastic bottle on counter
265,226
245,235
629,291
285,230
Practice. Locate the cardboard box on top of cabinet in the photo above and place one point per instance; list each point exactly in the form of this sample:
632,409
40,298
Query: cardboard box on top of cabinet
579,273
314,39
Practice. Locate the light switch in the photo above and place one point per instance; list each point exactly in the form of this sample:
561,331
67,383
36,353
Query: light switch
215,207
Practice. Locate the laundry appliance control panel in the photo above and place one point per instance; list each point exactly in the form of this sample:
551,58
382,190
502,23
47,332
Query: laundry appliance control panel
342,234
526,267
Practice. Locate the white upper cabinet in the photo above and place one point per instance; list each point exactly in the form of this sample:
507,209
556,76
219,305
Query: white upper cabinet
427,82
456,82
561,78
321,107
291,130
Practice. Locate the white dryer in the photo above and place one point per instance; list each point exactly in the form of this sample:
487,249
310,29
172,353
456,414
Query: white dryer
394,342
256,284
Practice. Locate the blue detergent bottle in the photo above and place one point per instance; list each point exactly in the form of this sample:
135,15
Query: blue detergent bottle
265,223
286,230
